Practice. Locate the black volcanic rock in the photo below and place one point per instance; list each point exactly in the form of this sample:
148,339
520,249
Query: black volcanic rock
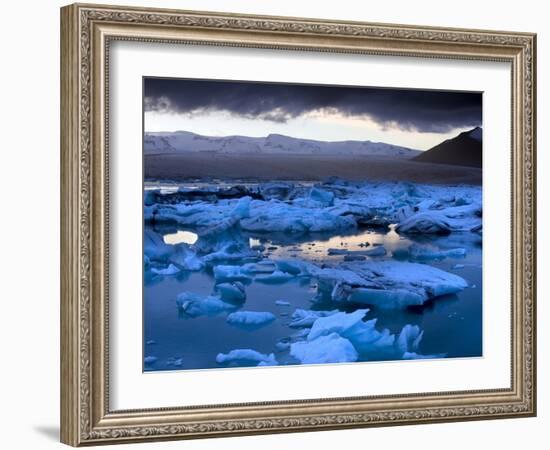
462,150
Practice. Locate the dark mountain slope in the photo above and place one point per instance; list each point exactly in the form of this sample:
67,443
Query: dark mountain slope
462,150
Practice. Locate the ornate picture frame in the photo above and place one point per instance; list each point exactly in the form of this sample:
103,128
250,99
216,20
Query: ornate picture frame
87,32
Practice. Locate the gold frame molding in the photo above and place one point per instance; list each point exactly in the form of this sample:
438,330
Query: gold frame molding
86,31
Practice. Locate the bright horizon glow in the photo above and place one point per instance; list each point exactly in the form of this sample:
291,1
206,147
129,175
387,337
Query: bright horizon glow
318,125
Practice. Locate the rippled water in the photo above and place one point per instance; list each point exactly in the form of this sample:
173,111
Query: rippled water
452,324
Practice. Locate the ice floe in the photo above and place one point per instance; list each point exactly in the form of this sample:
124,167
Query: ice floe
246,357
282,303
250,319
232,292
285,207
409,338
170,270
174,361
386,284
197,305
304,318
148,360
362,334
230,273
332,338
268,233
331,348
276,277
426,253
155,249
442,221
274,216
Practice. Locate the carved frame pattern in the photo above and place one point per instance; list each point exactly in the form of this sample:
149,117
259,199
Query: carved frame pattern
85,416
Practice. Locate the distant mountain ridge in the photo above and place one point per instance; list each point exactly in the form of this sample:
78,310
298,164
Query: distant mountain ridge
462,150
184,141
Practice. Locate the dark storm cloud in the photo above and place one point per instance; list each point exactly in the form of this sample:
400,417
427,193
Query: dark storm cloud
415,110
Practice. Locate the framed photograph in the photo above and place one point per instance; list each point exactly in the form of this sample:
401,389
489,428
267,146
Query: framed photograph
275,224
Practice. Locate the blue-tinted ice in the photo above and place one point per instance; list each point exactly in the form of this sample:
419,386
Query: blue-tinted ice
293,273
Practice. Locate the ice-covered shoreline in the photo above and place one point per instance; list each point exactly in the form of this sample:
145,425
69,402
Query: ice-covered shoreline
372,276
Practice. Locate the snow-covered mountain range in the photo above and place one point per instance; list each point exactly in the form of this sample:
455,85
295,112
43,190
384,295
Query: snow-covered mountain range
183,141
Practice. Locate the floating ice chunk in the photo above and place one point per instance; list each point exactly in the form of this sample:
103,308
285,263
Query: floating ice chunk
425,204
279,191
324,198
229,245
337,284
263,267
424,223
276,277
444,221
170,270
154,247
198,305
336,323
331,348
362,334
207,217
432,281
185,258
229,255
458,266
150,196
282,303
356,209
173,361
246,356
300,335
304,318
148,360
422,252
385,298
250,319
267,363
295,266
282,345
278,216
409,338
406,283
150,342
230,273
240,211
331,276
180,254
232,292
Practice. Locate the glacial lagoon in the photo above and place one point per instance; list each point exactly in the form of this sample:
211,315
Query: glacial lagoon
251,274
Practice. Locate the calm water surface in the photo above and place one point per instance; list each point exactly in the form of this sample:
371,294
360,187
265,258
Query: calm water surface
452,324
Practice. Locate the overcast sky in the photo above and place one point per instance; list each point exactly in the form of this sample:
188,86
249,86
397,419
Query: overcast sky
412,118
